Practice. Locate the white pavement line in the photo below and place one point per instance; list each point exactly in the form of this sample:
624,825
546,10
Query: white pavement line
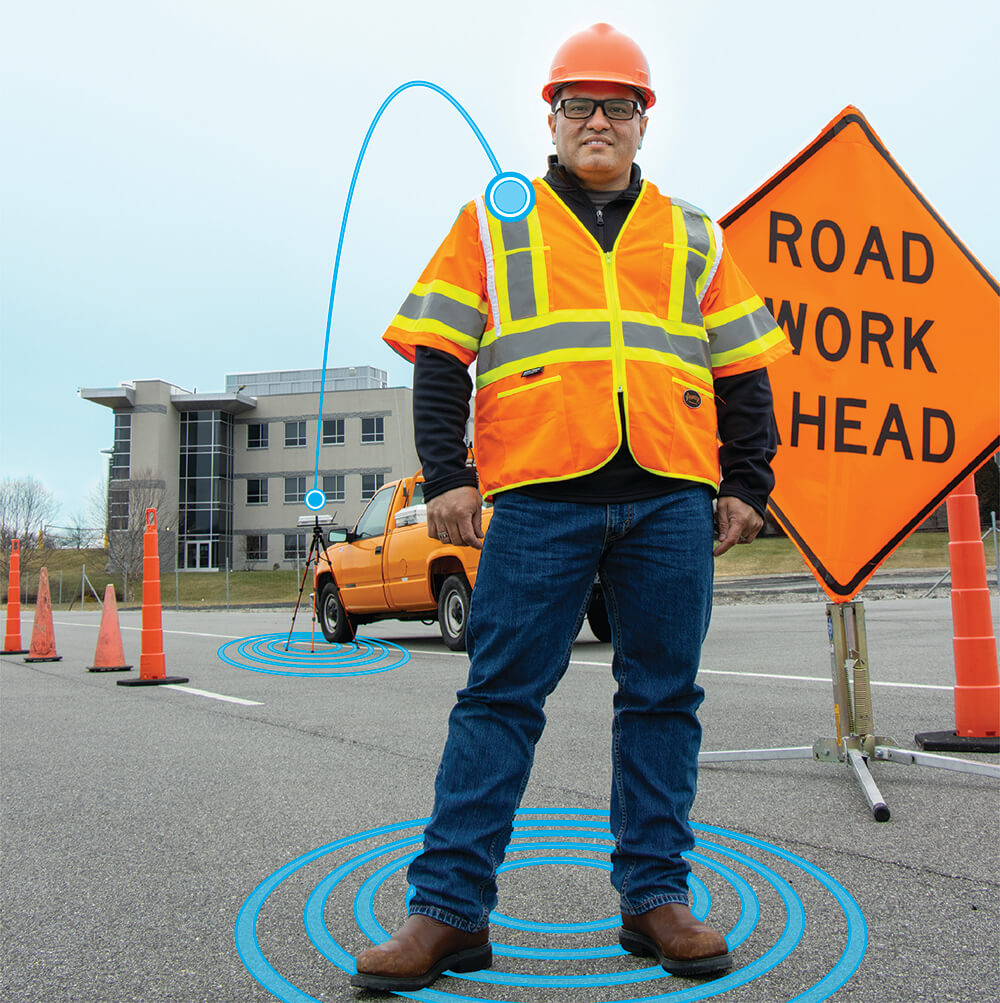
725,672
185,633
775,675
181,688
817,679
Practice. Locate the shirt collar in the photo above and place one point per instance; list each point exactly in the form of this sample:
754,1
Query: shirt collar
562,180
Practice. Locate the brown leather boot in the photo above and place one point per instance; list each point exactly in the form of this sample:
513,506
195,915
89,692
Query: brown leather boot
418,953
679,942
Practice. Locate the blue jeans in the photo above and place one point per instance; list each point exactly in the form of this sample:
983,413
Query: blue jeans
534,581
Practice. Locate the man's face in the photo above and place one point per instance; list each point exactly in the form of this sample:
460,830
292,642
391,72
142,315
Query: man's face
598,150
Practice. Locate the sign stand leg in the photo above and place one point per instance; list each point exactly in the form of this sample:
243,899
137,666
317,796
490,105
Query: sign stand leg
856,742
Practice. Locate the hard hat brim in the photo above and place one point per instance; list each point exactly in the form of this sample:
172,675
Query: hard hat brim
597,76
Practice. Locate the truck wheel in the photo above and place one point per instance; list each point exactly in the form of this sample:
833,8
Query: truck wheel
453,611
597,616
333,620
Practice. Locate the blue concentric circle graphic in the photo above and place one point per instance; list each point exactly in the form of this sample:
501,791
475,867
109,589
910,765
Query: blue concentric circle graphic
759,879
510,196
308,654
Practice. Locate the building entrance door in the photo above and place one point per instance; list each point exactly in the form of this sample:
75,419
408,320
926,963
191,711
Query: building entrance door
198,556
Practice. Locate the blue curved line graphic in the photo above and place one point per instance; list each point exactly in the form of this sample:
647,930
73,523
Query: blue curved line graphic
594,828
857,928
245,933
343,227
364,651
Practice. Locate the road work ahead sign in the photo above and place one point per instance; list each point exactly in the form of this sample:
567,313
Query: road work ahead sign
892,393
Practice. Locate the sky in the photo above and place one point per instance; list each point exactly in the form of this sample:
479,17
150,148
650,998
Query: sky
174,174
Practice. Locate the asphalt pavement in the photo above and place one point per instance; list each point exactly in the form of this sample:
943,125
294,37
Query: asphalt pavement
242,837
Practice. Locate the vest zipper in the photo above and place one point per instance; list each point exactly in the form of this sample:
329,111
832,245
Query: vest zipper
617,334
600,228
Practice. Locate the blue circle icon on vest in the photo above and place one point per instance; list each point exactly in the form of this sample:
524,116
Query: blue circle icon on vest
510,196
315,499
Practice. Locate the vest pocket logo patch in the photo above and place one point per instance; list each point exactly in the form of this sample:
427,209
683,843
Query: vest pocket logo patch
692,398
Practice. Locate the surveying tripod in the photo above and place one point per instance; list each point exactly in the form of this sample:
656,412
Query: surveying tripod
316,547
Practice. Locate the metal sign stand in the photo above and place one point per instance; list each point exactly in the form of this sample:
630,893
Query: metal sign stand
856,742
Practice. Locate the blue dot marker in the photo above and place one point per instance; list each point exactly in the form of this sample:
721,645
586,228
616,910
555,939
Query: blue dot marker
510,196
315,500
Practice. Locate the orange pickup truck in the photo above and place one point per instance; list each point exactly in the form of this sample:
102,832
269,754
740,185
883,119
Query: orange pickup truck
388,568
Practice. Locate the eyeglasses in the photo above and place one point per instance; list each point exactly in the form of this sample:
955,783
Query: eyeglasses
617,109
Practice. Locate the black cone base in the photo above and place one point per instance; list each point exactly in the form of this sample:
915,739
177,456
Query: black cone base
15,651
153,682
948,741
109,668
46,658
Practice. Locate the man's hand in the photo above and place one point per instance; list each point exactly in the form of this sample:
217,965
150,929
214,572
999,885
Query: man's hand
457,517
735,522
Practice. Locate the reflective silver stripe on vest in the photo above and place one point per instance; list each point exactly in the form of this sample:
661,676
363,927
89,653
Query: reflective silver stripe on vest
740,332
515,234
698,240
691,350
550,338
491,279
520,276
521,286
437,306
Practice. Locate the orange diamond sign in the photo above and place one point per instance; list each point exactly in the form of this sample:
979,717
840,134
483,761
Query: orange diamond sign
892,394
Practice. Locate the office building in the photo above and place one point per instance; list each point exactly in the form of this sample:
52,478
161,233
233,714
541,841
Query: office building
231,469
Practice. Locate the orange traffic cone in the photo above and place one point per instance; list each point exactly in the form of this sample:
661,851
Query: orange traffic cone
152,664
110,654
43,639
977,688
12,638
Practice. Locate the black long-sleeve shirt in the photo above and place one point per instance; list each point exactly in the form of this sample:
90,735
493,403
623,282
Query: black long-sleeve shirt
442,388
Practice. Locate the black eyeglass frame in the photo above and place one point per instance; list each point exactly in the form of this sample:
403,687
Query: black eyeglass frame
636,107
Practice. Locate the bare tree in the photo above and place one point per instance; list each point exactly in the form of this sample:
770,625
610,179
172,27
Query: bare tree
82,533
97,511
26,507
127,502
241,544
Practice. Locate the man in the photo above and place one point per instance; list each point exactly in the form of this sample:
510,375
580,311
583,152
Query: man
614,339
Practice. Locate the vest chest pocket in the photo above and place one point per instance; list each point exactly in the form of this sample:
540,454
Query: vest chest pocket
680,268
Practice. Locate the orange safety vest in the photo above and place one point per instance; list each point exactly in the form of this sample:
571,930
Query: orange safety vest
558,327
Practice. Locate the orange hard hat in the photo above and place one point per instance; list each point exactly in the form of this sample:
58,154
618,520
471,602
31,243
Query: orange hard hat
600,53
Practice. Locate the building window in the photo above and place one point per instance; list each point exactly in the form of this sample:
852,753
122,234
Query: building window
333,431
257,435
206,491
333,487
295,433
295,546
295,489
118,508
370,483
122,451
257,491
256,548
373,429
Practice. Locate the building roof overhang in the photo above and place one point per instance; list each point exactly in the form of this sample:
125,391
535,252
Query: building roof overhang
113,397
232,403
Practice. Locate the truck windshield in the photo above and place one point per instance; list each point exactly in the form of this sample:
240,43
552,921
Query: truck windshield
372,521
